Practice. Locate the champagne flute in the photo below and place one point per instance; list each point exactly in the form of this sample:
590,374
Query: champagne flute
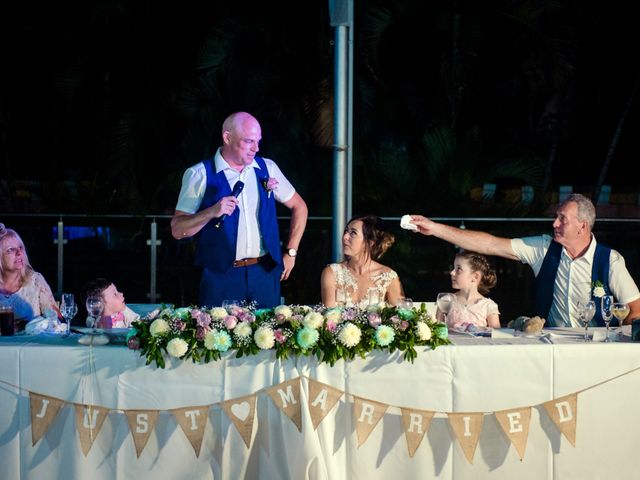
444,301
94,308
68,309
620,311
586,312
606,308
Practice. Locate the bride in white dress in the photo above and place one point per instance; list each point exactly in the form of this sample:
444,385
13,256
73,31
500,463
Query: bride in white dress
360,280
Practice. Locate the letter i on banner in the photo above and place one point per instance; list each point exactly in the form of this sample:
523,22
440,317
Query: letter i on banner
366,415
466,427
44,411
564,413
141,423
286,396
89,420
515,425
415,424
321,400
192,420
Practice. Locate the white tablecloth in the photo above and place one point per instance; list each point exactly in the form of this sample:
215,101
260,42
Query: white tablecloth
477,375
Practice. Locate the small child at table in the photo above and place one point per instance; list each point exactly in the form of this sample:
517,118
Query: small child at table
115,314
472,276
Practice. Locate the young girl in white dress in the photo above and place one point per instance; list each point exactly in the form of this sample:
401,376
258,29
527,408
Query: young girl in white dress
472,276
360,280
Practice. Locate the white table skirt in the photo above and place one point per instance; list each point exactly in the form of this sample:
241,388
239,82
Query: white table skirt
476,377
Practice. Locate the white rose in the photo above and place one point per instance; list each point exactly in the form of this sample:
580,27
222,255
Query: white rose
598,292
333,315
264,338
242,330
349,335
218,313
283,310
177,347
313,320
159,327
423,331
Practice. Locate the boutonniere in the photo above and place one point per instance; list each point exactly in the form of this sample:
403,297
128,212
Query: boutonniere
597,289
269,185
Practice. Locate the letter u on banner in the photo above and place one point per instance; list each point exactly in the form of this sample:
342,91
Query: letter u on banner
89,420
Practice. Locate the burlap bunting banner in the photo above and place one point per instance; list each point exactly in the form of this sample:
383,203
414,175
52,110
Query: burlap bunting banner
241,411
89,420
44,410
564,413
515,425
415,424
366,415
321,400
141,423
286,396
466,427
192,420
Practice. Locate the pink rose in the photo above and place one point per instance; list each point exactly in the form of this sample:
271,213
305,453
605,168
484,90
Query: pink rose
133,343
403,325
331,326
230,322
374,319
279,336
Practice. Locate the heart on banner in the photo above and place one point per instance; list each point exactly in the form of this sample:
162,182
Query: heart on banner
241,410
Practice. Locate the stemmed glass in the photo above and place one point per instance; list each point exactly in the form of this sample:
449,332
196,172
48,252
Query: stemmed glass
607,312
444,301
405,302
620,311
229,304
68,309
94,309
586,313
341,297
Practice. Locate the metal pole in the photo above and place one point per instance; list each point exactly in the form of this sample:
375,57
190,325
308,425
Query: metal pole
60,241
153,243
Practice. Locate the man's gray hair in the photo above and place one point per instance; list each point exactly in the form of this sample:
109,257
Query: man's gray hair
586,210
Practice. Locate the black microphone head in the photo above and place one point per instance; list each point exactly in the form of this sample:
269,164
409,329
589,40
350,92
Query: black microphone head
237,188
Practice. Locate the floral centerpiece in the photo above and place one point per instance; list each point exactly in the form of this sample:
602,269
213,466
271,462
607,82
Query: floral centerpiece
330,334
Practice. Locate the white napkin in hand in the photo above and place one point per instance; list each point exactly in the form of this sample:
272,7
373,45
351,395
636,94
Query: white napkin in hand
405,222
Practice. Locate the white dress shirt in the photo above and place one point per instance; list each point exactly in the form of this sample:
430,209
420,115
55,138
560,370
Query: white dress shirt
194,184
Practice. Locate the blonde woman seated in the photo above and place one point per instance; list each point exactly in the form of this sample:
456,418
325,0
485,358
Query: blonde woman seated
360,280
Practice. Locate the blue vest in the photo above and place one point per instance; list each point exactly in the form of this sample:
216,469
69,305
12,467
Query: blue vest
545,281
216,249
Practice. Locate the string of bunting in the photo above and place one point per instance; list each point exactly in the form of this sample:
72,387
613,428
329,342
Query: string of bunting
322,398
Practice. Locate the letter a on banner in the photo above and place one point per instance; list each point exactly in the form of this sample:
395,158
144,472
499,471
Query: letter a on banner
241,411
43,412
564,413
515,425
366,415
415,424
321,400
466,427
192,420
141,424
89,420
286,396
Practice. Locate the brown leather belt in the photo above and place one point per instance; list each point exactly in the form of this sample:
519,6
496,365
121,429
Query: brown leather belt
246,262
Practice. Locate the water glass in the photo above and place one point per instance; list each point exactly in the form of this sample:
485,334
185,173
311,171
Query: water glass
586,312
7,327
444,301
606,308
620,311
341,297
95,307
68,310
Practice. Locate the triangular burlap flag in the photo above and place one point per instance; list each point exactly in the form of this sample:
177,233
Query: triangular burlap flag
366,414
89,420
286,396
466,427
192,420
241,411
321,400
141,424
564,413
415,424
515,425
44,410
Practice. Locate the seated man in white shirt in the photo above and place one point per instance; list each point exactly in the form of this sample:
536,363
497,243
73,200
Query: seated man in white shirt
567,266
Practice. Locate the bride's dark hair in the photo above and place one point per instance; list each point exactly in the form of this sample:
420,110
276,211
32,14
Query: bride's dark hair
377,240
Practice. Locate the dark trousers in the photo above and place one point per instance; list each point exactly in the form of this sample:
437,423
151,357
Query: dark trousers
259,283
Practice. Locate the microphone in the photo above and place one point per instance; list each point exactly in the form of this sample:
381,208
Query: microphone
237,189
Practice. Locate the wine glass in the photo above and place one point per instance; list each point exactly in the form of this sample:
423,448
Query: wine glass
374,297
620,311
607,312
95,307
586,313
68,309
444,301
406,303
229,304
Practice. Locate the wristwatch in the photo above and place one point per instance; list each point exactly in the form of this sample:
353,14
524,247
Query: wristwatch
292,252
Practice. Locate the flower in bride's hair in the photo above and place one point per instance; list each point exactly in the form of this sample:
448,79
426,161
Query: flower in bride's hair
264,338
423,331
159,327
177,347
349,335
384,335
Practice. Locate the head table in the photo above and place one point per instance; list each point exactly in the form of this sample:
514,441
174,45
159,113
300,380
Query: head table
472,375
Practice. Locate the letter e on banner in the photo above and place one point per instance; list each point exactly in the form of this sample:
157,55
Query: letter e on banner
515,425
